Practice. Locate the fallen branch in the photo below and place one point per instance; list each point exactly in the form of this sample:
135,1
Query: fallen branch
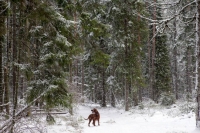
5,127
49,113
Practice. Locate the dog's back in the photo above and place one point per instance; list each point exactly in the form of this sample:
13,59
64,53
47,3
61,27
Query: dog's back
91,117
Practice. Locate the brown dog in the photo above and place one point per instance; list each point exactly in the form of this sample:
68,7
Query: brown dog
94,116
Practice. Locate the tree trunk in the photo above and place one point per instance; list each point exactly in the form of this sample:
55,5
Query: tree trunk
188,71
153,55
135,97
6,69
126,57
126,94
15,91
112,91
6,100
70,73
175,72
95,93
112,98
1,72
82,78
175,61
103,89
2,34
150,95
21,87
139,93
198,45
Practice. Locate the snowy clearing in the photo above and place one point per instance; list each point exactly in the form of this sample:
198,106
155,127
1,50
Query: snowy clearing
113,120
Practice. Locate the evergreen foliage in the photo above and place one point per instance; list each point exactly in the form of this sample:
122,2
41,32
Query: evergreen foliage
162,64
94,36
167,99
54,53
102,49
127,45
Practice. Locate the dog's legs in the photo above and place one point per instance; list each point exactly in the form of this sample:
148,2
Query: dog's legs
94,122
89,122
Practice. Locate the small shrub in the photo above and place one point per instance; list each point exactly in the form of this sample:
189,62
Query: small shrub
167,99
187,107
141,105
50,119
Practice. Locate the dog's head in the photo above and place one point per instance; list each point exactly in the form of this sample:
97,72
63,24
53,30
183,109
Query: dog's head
94,110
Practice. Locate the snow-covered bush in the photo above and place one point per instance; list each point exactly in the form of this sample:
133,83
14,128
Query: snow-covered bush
141,105
74,121
148,103
33,124
187,107
167,99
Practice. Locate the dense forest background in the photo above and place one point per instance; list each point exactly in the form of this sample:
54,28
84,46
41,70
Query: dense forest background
58,52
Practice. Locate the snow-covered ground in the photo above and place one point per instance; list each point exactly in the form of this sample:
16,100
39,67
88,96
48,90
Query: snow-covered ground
116,120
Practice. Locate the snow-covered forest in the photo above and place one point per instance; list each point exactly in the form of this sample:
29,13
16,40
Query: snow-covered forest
60,58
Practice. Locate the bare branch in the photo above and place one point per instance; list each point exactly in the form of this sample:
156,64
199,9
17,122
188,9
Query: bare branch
166,20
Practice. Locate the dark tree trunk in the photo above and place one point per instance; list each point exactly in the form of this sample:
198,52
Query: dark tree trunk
112,91
188,72
103,89
14,52
175,73
112,98
198,87
126,80
153,56
2,34
82,78
6,92
1,72
21,88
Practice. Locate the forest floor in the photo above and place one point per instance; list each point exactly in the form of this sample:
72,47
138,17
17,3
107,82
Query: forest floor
153,118
177,118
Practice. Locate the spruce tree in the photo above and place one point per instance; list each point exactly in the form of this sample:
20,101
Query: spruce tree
162,68
54,47
126,30
94,36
